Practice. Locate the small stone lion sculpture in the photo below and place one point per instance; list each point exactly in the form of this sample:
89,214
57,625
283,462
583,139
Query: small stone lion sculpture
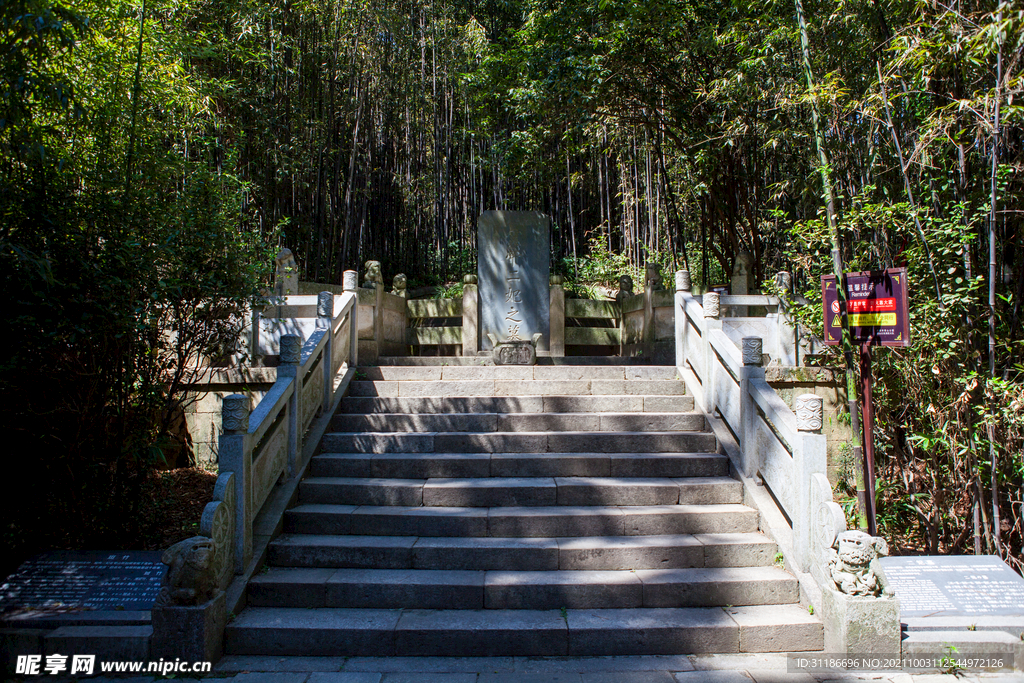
191,577
625,288
373,276
652,276
853,564
399,284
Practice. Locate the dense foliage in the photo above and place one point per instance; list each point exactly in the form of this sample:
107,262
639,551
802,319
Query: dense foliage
144,143
126,255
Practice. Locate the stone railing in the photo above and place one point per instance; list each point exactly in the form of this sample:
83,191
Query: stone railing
647,325
259,448
780,455
389,325
782,446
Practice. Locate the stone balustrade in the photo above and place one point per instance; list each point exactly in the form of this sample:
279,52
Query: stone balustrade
261,446
784,447
781,456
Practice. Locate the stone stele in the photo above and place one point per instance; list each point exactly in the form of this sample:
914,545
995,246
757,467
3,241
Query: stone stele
513,254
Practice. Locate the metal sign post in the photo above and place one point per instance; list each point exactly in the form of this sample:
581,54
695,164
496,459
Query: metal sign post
867,421
877,309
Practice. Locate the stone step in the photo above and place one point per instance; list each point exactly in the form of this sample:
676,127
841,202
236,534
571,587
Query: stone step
486,359
571,632
518,387
678,551
519,442
519,491
428,465
521,590
520,422
105,641
519,522
994,646
517,404
515,372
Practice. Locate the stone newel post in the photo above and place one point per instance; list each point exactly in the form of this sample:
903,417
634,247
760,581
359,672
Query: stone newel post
470,316
752,358
291,357
679,315
683,281
711,304
556,340
233,457
350,281
809,458
324,305
325,320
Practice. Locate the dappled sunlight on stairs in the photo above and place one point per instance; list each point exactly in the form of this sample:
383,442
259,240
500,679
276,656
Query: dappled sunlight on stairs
547,510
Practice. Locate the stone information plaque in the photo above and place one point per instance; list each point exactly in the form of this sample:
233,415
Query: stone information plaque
92,580
955,586
513,253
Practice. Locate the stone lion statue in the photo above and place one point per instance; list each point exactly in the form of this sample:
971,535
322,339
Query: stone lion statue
191,576
853,563
652,276
373,275
399,284
625,288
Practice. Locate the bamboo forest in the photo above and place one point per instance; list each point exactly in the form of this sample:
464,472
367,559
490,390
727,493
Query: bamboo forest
156,154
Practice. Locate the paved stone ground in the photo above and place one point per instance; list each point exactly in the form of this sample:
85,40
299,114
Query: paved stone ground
646,669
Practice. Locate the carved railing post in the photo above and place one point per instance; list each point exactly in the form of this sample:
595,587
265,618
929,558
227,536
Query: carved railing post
683,280
470,316
647,333
350,282
325,320
712,310
809,459
751,370
291,357
235,455
681,322
556,338
378,319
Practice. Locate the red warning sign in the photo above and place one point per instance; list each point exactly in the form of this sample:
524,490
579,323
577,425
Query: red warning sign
876,306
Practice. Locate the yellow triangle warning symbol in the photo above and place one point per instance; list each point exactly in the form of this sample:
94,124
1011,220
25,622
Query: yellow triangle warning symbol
836,322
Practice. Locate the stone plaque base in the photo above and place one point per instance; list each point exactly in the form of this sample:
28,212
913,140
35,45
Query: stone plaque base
515,353
190,633
860,625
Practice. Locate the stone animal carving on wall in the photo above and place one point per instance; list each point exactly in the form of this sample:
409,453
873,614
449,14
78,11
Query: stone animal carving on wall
652,276
191,577
398,286
625,288
853,563
373,275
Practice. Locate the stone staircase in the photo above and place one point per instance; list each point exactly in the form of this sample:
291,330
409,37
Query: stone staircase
468,509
